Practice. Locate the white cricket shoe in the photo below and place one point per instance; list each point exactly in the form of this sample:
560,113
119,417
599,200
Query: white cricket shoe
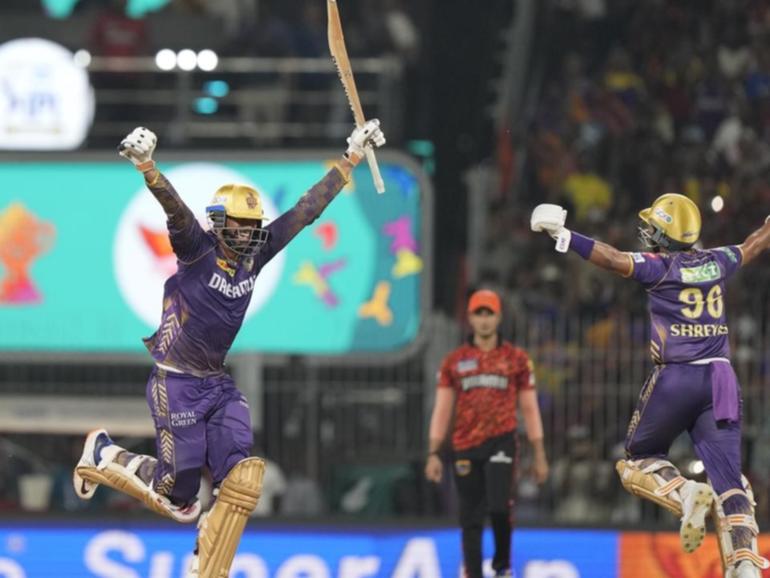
746,569
193,570
697,499
96,441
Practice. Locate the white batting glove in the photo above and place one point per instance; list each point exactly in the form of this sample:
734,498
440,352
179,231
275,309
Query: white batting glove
138,148
550,219
369,135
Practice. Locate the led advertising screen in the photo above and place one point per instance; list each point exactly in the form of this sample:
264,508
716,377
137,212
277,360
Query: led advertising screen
68,552
84,254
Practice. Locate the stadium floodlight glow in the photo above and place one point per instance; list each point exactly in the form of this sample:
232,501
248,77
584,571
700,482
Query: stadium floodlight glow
187,60
82,58
717,203
165,59
207,60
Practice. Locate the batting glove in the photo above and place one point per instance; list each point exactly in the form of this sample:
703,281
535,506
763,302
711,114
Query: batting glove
368,135
138,148
550,219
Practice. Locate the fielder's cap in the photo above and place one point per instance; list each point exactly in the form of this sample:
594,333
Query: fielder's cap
484,298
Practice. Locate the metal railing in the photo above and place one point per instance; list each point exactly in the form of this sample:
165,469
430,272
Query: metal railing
330,422
244,101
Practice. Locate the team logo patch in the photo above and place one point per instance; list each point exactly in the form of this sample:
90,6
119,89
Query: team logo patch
222,264
251,201
466,365
463,467
661,214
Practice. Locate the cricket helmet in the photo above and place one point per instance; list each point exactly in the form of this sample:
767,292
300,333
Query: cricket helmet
672,223
238,202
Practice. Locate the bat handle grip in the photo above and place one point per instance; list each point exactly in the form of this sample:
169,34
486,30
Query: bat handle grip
375,168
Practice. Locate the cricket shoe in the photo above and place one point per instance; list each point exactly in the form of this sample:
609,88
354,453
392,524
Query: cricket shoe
746,569
697,499
193,571
96,441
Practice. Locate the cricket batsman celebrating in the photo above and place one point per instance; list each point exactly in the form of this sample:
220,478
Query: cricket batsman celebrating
200,417
693,386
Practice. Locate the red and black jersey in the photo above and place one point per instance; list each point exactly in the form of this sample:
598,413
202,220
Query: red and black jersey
486,385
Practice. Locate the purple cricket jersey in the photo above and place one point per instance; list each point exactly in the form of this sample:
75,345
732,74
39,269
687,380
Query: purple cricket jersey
686,302
205,301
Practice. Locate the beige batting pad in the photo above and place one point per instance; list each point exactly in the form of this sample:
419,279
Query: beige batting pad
221,529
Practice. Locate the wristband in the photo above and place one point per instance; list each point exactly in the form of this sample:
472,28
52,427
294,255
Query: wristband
582,245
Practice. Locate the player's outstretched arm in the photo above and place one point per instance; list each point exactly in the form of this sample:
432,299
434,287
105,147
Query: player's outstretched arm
185,232
313,202
550,219
756,243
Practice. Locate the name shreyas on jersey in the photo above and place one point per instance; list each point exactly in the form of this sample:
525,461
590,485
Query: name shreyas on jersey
698,329
230,290
487,380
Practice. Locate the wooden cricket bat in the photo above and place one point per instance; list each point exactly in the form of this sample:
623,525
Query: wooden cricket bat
342,62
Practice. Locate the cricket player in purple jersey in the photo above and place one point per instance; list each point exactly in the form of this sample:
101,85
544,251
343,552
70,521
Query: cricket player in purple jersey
201,418
693,386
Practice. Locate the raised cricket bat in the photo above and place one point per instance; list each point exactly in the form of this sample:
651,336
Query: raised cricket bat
342,62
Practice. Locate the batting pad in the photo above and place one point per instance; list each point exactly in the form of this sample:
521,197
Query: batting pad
221,529
645,483
125,481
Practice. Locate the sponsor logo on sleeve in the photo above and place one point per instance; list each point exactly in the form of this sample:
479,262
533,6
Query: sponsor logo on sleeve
638,257
729,252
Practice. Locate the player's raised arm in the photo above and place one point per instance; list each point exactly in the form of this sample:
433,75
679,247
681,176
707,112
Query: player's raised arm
551,218
186,234
755,243
313,202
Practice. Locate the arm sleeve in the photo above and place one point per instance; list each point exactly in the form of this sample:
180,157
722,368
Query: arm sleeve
525,378
444,378
648,268
308,209
729,258
188,239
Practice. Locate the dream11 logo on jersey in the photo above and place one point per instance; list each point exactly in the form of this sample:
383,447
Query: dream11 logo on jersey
46,100
142,253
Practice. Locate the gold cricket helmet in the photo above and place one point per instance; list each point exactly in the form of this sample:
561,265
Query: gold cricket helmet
238,202
672,223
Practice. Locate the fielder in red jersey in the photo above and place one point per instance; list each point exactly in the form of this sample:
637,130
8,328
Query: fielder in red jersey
481,383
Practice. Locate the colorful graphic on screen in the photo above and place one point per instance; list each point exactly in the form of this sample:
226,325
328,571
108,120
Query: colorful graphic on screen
89,255
23,239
